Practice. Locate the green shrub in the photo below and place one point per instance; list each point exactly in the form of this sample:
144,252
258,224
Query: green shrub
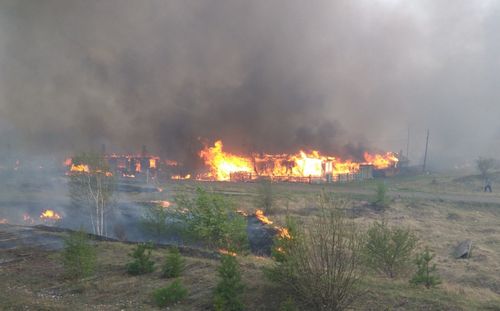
389,249
142,262
154,220
213,219
425,271
229,289
288,305
319,267
381,198
174,264
78,256
168,295
265,198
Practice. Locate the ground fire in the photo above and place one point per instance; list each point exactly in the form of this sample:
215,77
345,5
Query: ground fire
50,215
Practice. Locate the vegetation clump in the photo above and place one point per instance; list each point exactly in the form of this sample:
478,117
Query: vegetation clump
171,294
174,264
389,249
142,262
212,219
266,198
381,197
485,165
154,220
227,296
319,265
426,273
79,255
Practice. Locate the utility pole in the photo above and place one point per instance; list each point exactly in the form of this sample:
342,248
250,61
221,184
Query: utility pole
408,144
425,154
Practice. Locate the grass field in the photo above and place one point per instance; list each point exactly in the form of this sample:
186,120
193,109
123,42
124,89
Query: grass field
441,209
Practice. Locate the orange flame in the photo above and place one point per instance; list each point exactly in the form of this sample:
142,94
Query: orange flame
50,215
227,252
162,203
3,221
262,218
222,165
152,163
381,161
179,177
80,168
283,233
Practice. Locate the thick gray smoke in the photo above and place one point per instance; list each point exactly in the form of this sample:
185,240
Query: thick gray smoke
273,76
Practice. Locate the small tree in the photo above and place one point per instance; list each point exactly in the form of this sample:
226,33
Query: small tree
142,262
168,295
174,264
213,219
91,187
154,220
229,289
425,271
266,198
319,266
485,165
79,256
381,198
389,250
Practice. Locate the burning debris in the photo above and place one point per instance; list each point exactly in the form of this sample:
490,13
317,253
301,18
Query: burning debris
50,215
223,166
301,166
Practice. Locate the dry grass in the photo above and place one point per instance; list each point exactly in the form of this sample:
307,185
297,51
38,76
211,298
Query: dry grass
35,281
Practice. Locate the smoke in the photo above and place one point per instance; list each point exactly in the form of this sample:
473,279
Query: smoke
273,76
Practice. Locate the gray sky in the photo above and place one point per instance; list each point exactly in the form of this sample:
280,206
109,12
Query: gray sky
340,76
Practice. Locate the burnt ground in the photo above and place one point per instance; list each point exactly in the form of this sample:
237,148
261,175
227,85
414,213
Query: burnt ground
441,212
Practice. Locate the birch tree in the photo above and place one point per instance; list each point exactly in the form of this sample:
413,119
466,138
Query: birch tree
91,189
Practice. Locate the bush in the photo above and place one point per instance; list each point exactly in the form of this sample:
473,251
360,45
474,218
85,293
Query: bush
142,262
381,198
229,289
425,271
174,264
265,199
389,250
154,220
485,165
320,266
213,219
173,293
288,305
79,256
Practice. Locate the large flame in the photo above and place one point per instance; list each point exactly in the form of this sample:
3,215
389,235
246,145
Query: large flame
223,165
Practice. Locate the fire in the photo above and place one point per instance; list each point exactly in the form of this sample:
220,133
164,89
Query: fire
382,161
152,163
80,168
222,164
50,215
283,233
162,203
180,177
3,221
263,219
227,252
137,166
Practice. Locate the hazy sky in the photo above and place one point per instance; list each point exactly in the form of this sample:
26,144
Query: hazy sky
340,76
